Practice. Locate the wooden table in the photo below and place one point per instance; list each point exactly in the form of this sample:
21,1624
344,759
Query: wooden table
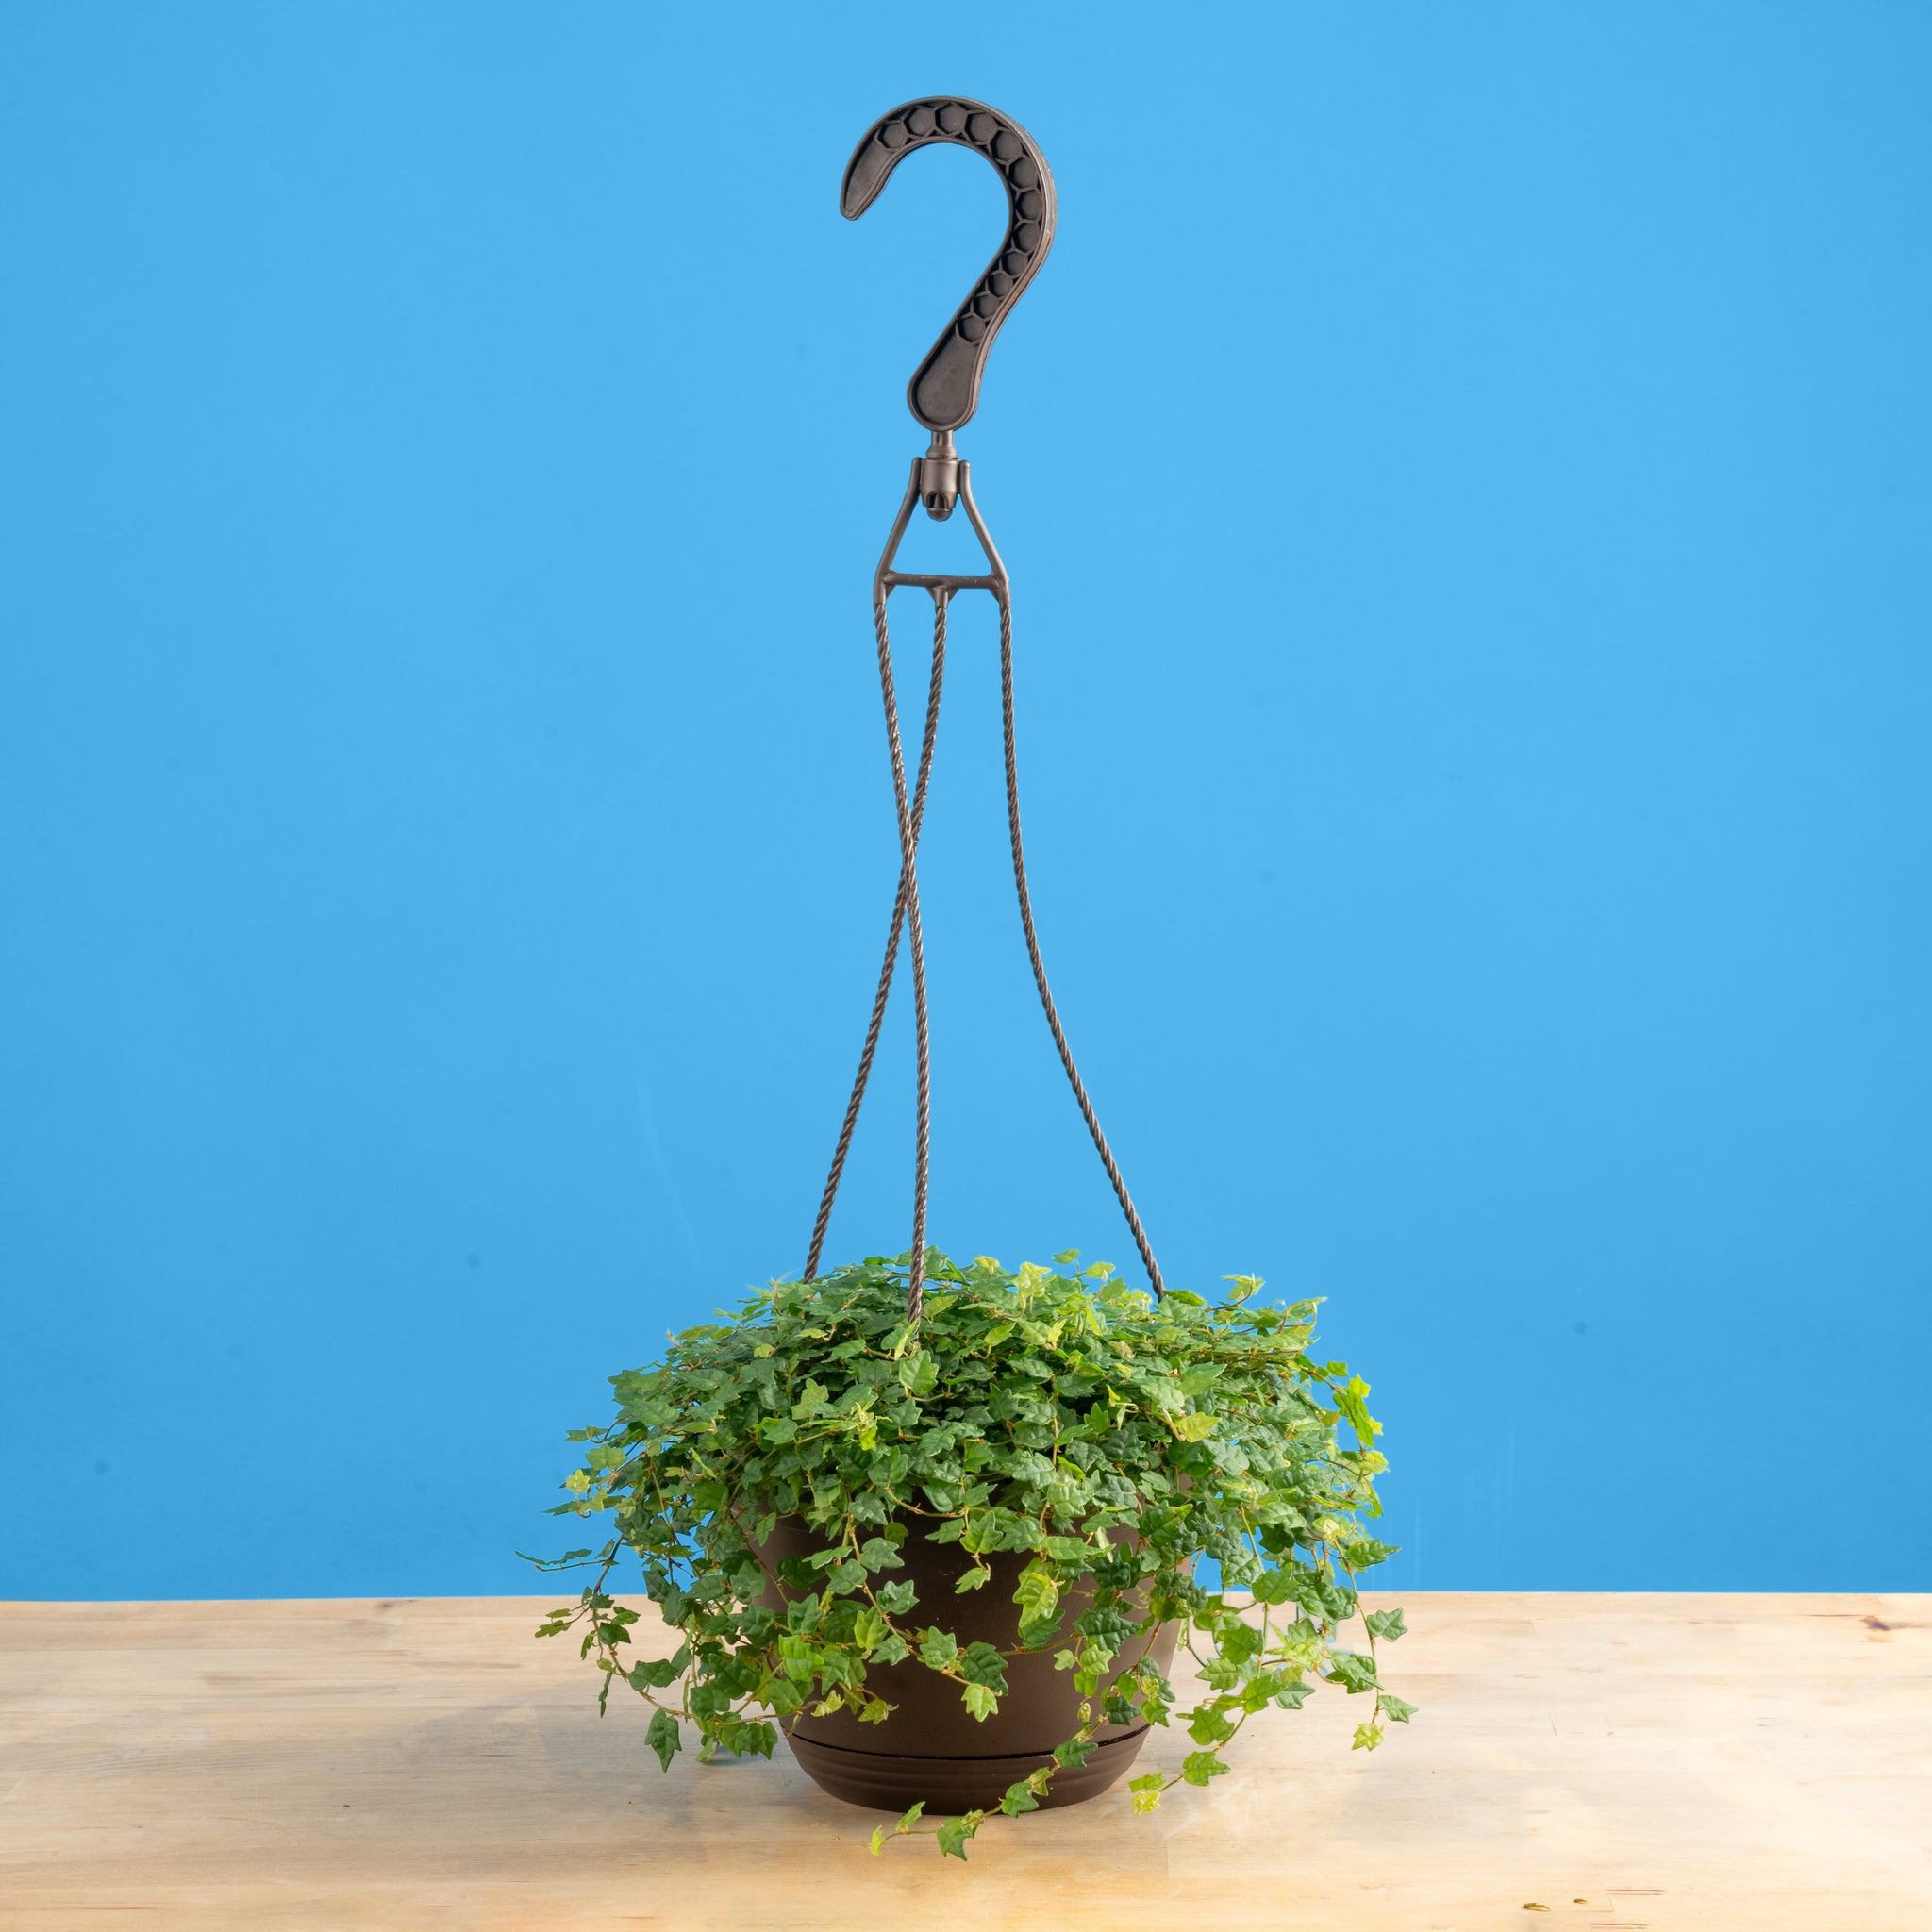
1695,1762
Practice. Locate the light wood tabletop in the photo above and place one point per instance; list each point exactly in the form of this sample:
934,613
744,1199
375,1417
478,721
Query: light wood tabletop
1625,1762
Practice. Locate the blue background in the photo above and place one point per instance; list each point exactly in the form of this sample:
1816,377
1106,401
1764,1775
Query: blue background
1465,476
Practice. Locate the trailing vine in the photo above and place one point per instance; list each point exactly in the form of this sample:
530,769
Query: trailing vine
1120,1445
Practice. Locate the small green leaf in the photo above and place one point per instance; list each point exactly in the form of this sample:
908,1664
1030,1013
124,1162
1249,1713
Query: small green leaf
1348,1398
940,1649
1355,1670
1039,1589
1366,1552
971,1580
1366,1736
1019,1798
1222,1673
663,1737
1197,1767
1274,1586
980,1699
1387,1626
954,1833
1210,1725
983,1664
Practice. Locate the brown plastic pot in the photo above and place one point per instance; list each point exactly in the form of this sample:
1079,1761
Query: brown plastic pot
931,1747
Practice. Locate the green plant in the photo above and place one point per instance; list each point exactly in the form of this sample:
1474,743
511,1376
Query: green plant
1058,1414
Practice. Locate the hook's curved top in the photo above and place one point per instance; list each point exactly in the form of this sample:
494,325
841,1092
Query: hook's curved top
944,389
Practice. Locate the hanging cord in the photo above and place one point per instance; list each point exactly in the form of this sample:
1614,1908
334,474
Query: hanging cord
1053,1018
907,895
905,917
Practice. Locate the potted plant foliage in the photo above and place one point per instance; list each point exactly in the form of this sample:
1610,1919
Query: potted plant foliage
952,1561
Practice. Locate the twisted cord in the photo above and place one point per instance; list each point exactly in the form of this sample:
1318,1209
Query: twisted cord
915,1274
1053,1018
906,893
906,918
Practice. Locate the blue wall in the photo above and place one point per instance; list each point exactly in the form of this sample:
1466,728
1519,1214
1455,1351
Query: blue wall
1476,710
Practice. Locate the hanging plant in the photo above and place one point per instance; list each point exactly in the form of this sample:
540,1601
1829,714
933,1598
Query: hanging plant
946,1529
825,1498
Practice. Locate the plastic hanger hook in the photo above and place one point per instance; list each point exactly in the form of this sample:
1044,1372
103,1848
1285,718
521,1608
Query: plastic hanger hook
944,389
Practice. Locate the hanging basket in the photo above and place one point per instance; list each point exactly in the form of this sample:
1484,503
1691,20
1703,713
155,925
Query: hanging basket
938,1525
930,1749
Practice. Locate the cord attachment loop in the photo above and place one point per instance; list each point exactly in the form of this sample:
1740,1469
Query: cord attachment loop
938,476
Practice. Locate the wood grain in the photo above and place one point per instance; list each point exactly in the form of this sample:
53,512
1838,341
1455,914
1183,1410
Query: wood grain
1677,1763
